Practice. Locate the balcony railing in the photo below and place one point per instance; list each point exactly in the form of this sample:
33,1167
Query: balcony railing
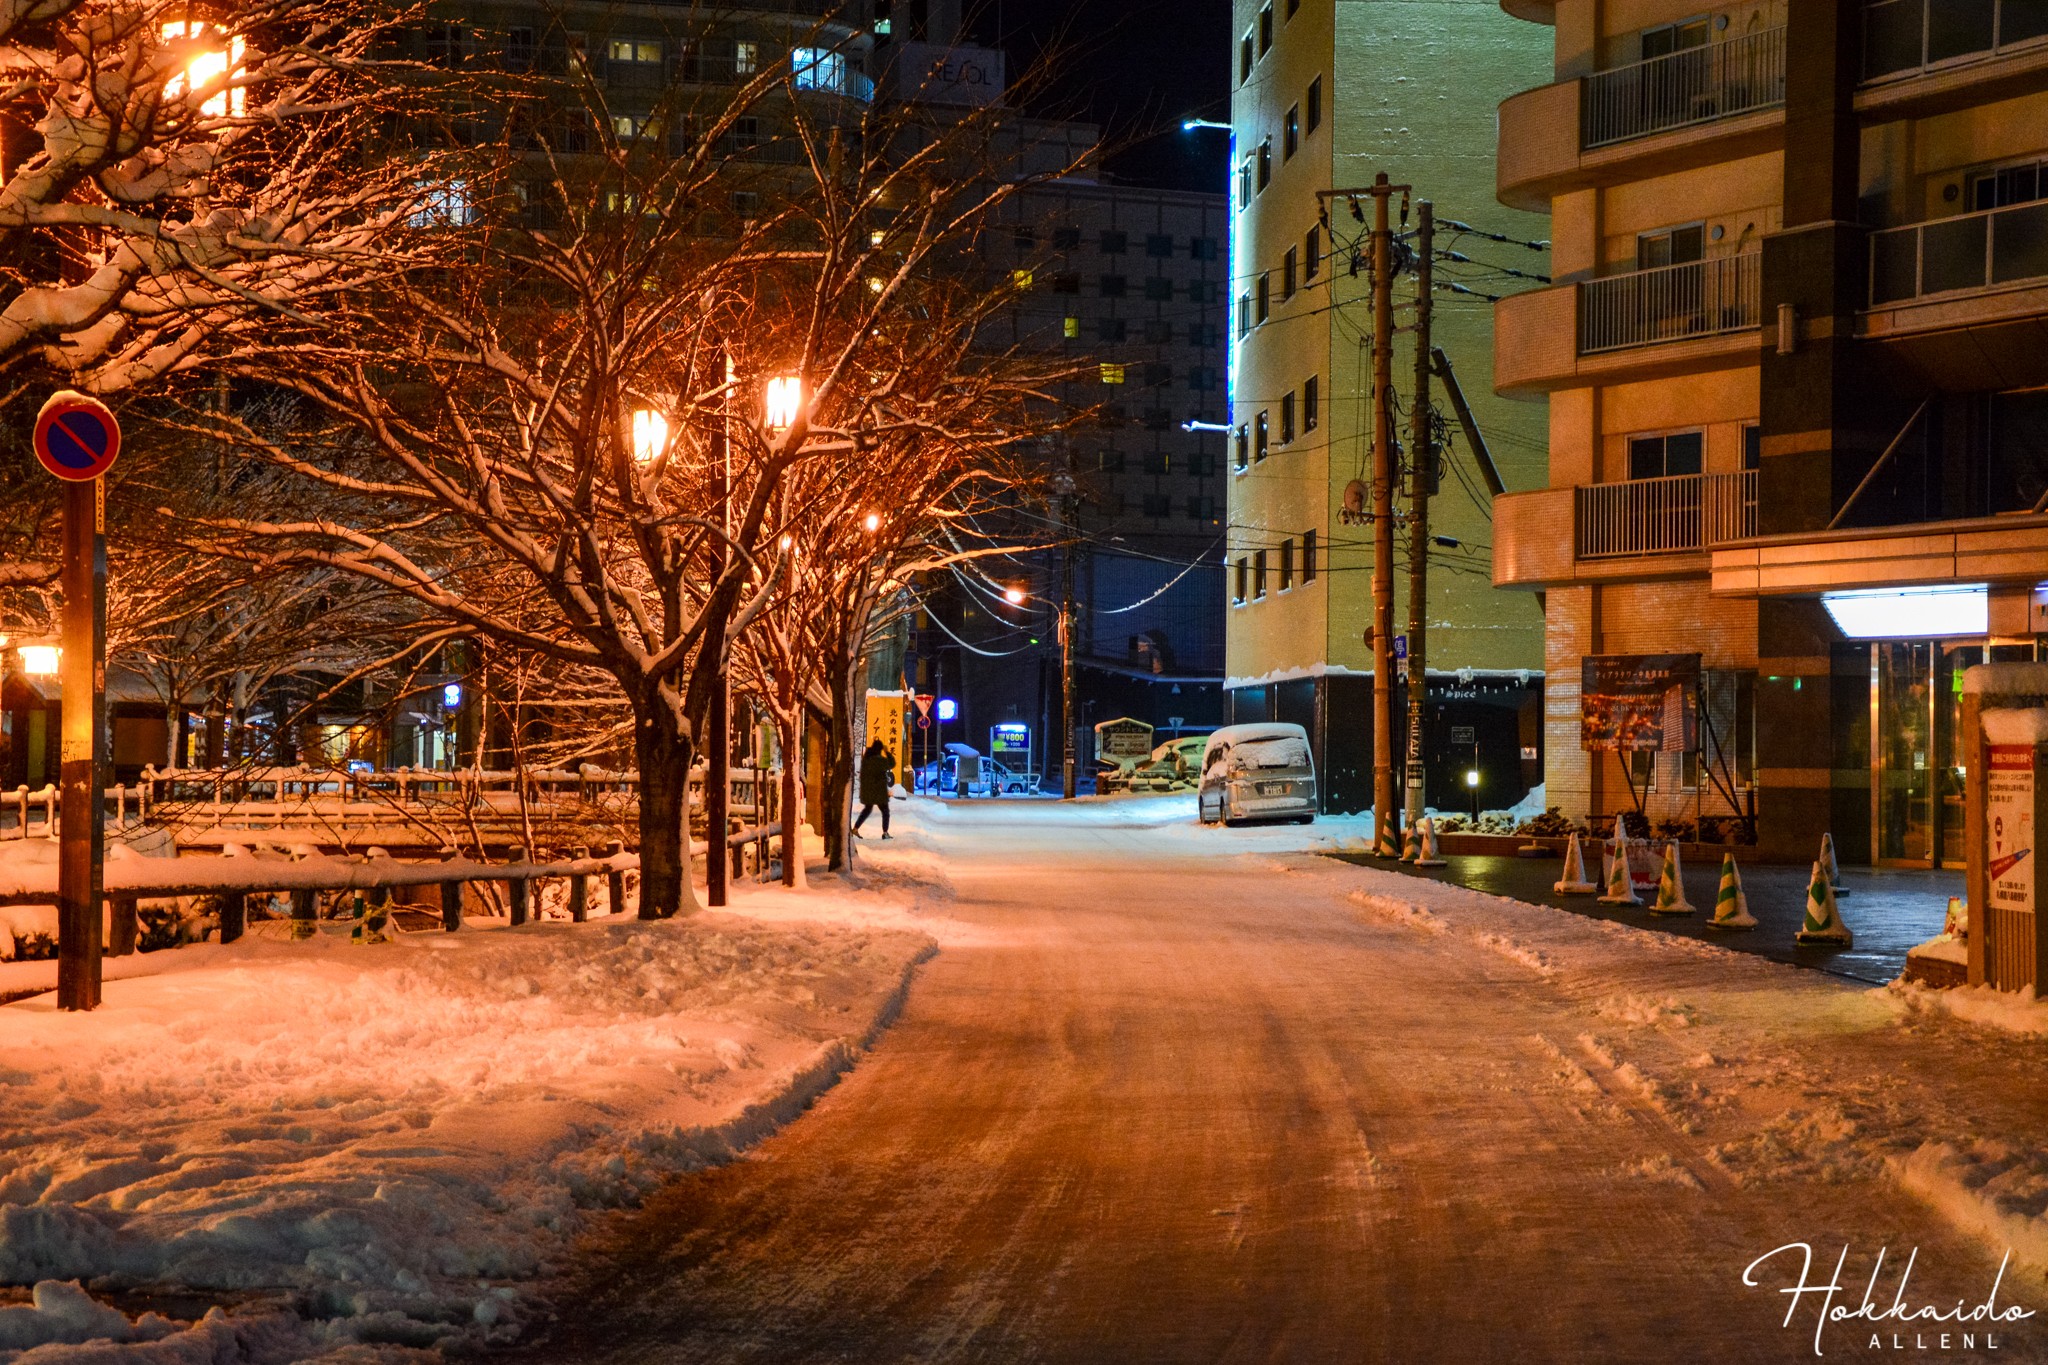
1906,37
1951,255
1679,89
1671,515
1670,303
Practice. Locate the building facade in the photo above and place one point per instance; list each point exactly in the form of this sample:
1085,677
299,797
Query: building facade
1796,394
1326,95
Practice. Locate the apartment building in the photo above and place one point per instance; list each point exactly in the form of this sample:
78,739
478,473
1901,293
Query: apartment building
1325,96
1795,377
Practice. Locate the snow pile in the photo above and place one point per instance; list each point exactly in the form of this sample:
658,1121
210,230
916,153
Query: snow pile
2013,1011
393,1139
1994,1190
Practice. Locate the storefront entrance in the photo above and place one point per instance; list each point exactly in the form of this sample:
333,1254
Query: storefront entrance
1916,776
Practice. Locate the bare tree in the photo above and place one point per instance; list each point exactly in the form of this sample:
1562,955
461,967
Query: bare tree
557,438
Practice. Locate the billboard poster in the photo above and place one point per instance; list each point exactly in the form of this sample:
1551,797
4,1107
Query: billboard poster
1637,701
2009,825
1123,738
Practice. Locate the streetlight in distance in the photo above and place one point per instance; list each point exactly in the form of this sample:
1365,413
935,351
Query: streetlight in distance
1189,125
40,660
1014,596
784,400
871,523
650,435
1472,785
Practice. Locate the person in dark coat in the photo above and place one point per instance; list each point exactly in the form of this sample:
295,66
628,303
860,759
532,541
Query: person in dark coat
877,776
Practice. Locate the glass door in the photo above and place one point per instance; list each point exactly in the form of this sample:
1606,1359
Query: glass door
1903,755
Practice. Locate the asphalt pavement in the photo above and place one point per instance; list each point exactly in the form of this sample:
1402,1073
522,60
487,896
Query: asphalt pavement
1888,910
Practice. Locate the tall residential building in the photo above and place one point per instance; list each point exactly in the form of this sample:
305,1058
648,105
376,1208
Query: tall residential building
1327,95
1796,377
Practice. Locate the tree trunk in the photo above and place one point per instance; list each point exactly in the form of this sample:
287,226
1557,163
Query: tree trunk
789,730
835,809
216,728
662,753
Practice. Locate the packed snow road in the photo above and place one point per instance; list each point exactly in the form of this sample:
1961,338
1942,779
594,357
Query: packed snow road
1174,1094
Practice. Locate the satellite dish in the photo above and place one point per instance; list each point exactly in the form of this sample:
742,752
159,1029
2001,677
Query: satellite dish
1354,497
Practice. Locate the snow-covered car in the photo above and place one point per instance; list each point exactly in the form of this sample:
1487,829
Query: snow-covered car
1257,772
1173,767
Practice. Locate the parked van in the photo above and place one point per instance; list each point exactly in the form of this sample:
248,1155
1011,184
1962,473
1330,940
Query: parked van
1257,772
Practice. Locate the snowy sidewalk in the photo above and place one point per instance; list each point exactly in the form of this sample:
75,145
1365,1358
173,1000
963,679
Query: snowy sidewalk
365,1149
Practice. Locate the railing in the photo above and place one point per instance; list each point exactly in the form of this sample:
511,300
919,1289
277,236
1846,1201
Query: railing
20,809
1669,515
1670,303
1906,37
1969,251
1679,89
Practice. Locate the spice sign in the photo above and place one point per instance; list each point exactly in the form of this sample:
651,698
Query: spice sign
2009,824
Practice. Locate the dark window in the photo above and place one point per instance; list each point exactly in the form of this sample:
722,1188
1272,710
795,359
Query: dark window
1265,163
1673,246
519,49
1308,556
1288,270
1112,286
1203,334
1202,248
1312,253
1265,308
1158,419
1244,314
1241,447
1244,183
1158,506
1666,39
2011,185
1111,329
1311,394
1286,565
1286,417
1201,509
1290,134
1203,291
1202,465
1159,289
1159,245
1265,30
1066,282
1259,437
1111,462
1024,237
1244,59
1113,242
1312,114
448,45
1158,462
1653,457
1258,573
1292,6
1752,447
1110,416
1158,331
1202,379
1243,573
1158,374
1066,239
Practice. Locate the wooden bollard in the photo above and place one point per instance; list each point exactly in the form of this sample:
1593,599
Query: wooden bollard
516,887
579,887
615,879
305,914
451,898
234,915
121,942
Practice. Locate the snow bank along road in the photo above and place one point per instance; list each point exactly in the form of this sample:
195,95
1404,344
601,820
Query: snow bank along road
1171,1094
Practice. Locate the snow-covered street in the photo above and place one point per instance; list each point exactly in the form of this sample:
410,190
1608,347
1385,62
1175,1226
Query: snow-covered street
1177,1094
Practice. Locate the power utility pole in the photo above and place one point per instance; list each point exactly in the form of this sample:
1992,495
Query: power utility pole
1421,483
1068,763
1386,844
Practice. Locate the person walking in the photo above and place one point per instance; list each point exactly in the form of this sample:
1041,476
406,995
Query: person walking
877,773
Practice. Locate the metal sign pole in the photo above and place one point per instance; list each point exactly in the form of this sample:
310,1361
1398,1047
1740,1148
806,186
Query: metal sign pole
81,853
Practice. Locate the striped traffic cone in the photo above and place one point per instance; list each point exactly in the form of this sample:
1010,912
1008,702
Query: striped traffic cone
1823,922
1412,847
1671,886
1431,855
1731,906
1574,882
1621,887
1830,866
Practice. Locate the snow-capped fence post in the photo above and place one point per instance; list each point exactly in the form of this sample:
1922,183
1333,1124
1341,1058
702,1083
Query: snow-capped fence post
615,879
516,888
234,915
122,917
451,898
49,795
579,887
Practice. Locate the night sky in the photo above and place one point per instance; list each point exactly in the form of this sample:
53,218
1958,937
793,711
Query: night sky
1138,69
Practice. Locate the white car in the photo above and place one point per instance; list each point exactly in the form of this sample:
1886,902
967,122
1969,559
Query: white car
1255,773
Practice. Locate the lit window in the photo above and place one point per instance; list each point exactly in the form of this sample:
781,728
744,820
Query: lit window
1112,374
746,58
635,50
211,63
1071,328
817,69
448,203
1021,277
626,126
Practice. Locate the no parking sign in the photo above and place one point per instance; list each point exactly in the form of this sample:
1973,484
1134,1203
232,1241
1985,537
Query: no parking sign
76,436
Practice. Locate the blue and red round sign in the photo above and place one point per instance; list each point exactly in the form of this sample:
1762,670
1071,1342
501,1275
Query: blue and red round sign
76,436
